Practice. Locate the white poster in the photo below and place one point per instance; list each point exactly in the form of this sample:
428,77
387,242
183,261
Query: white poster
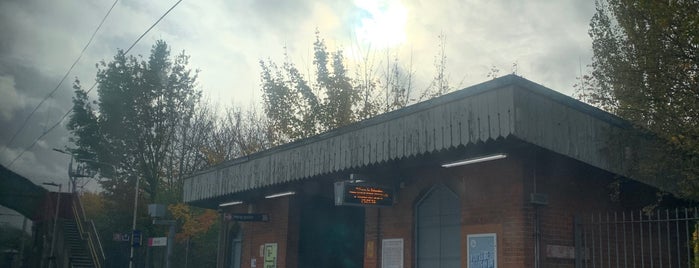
392,253
482,251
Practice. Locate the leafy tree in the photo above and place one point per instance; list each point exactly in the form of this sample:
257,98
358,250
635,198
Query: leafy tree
142,106
398,82
297,108
646,69
142,125
440,82
192,223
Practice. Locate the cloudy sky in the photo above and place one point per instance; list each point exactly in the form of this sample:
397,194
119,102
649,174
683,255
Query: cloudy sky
226,38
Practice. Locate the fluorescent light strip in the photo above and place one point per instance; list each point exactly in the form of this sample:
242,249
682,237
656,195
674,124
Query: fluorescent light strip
280,194
230,203
474,160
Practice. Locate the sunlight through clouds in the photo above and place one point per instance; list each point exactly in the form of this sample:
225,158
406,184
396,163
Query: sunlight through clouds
381,23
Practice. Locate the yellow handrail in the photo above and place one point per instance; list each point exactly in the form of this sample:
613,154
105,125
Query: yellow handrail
80,219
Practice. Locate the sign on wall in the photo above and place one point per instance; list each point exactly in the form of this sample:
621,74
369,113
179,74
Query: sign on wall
392,253
482,250
121,237
245,216
157,241
362,194
136,238
270,255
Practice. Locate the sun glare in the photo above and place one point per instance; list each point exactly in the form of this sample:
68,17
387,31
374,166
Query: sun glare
382,22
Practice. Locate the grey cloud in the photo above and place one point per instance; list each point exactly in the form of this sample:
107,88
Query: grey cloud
226,38
10,100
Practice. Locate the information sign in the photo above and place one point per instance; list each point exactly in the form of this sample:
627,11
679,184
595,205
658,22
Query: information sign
362,194
136,238
270,253
246,216
121,237
392,253
157,241
482,251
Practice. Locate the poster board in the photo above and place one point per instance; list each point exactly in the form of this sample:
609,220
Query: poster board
392,253
482,250
270,255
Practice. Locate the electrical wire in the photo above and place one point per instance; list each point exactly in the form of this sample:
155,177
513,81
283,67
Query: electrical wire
26,120
91,88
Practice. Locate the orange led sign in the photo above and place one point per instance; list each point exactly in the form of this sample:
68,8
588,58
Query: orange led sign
362,194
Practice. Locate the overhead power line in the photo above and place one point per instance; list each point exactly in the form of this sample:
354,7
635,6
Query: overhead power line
46,132
26,120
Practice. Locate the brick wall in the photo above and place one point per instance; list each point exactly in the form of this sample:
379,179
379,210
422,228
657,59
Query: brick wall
495,198
282,228
491,201
573,189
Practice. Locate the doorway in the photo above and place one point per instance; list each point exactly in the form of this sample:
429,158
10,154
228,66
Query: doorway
330,236
438,229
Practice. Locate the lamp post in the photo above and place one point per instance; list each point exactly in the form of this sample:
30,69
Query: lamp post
55,219
71,178
74,174
133,225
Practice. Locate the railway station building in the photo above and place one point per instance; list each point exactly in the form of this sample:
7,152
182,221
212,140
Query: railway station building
500,174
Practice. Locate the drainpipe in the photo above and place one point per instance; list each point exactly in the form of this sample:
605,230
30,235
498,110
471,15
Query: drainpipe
538,200
537,238
378,237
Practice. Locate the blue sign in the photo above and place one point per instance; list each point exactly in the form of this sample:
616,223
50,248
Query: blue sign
136,241
482,251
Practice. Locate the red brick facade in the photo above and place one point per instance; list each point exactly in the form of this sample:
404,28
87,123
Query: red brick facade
494,198
282,229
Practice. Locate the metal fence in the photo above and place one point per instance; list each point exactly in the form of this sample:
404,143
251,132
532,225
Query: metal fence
659,238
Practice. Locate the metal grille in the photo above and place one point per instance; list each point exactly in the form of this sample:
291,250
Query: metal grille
660,238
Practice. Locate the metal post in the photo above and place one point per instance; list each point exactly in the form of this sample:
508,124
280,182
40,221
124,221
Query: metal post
170,238
221,232
71,176
52,258
577,229
21,247
170,242
71,179
133,225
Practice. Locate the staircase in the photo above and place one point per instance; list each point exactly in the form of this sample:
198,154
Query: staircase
79,256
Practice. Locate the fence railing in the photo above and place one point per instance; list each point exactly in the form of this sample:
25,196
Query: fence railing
659,238
88,233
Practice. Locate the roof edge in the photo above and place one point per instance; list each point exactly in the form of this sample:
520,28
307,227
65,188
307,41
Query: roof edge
501,82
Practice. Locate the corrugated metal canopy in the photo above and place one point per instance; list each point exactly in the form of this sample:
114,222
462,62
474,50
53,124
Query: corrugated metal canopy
507,107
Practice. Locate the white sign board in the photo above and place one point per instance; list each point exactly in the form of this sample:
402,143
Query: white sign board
482,250
157,241
392,253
